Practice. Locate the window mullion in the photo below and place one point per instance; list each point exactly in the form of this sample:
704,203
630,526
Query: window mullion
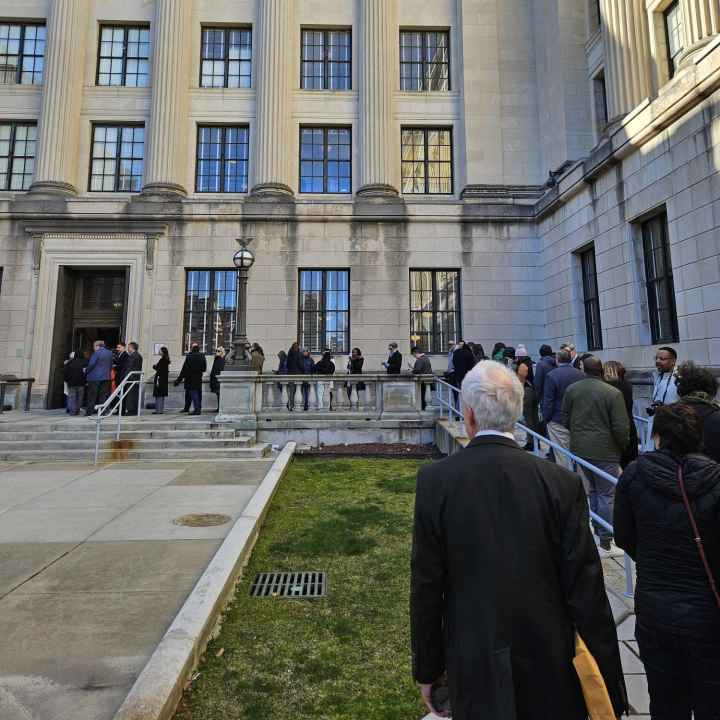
118,156
426,135
226,56
21,51
323,305
223,130
11,156
123,76
326,60
325,160
423,60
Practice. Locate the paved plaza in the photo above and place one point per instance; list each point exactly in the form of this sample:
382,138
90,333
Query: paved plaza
93,569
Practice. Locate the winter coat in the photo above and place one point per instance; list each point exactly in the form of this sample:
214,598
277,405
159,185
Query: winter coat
217,367
120,362
422,366
192,371
257,360
631,451
355,367
394,363
545,366
463,362
325,367
597,420
651,523
295,364
160,381
710,413
530,407
308,366
100,365
74,372
556,382
504,569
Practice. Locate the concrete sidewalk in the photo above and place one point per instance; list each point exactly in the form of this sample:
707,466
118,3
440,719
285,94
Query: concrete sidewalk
93,569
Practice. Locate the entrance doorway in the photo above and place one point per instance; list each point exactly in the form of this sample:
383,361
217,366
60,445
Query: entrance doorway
90,306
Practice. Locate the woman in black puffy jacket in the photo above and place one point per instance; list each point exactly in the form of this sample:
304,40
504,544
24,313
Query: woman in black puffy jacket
678,612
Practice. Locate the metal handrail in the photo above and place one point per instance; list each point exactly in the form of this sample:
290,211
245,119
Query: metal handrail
114,404
643,426
574,459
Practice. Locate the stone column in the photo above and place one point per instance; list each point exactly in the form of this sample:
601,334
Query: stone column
166,137
378,78
627,54
701,19
58,130
273,162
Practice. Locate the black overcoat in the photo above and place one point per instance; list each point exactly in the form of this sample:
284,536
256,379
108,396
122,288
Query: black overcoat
192,371
160,383
504,561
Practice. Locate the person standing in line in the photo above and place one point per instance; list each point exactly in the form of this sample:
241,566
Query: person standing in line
697,388
355,367
120,362
74,376
394,361
160,381
614,373
556,383
133,364
450,372
498,353
308,368
524,370
295,366
667,518
257,358
192,375
574,359
324,366
504,571
545,365
422,366
97,373
664,386
599,434
217,367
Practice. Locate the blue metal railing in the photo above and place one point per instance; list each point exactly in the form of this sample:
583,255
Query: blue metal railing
446,396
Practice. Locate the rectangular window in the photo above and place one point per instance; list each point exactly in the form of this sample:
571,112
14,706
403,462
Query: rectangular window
434,309
209,309
600,98
591,300
674,34
659,280
117,158
226,58
17,155
324,310
427,161
22,53
326,62
124,54
325,165
424,60
222,159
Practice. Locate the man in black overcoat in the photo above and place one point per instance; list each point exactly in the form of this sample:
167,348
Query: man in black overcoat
504,570
192,375
133,364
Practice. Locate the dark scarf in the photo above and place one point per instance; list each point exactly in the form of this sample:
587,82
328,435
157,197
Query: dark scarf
702,398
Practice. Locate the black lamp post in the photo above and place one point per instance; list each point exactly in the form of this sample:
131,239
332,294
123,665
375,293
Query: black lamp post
243,260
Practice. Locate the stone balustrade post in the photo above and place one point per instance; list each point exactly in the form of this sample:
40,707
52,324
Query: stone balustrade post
59,126
272,166
627,54
378,77
167,141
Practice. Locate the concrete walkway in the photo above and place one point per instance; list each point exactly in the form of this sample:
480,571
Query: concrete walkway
93,569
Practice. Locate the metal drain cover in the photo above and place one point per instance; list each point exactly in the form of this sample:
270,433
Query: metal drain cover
290,585
202,520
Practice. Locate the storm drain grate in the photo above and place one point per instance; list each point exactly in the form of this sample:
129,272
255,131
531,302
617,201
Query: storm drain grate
289,585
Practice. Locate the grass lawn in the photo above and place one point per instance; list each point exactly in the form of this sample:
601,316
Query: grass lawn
346,656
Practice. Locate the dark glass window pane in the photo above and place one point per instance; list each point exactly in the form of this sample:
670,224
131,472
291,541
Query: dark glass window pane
222,159
124,54
424,60
209,320
17,155
226,58
326,60
674,31
22,53
426,161
591,300
324,310
325,165
117,160
434,309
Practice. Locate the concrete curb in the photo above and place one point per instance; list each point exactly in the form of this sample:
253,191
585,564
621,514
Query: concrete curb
159,687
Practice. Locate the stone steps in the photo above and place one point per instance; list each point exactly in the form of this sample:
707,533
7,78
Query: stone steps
87,454
139,443
108,434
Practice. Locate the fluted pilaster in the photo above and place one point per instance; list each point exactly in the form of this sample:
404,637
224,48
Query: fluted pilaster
58,130
627,54
165,162
272,164
701,19
378,38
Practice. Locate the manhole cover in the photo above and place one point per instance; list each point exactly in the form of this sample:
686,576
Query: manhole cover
202,520
289,585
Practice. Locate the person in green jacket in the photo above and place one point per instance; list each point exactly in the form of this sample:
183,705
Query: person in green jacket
599,433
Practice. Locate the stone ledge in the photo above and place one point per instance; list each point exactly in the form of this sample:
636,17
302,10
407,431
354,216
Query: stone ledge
159,687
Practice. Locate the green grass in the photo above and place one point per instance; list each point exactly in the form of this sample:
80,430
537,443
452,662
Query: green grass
346,656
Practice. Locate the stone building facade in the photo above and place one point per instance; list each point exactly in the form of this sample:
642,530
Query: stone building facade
519,170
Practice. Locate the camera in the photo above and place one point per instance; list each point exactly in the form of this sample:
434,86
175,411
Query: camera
651,410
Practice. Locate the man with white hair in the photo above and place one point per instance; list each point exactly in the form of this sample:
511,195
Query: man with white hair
504,571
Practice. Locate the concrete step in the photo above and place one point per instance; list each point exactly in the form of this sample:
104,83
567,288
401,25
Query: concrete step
108,433
140,443
84,424
86,454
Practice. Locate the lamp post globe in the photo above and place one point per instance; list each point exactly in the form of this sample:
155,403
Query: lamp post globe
243,260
